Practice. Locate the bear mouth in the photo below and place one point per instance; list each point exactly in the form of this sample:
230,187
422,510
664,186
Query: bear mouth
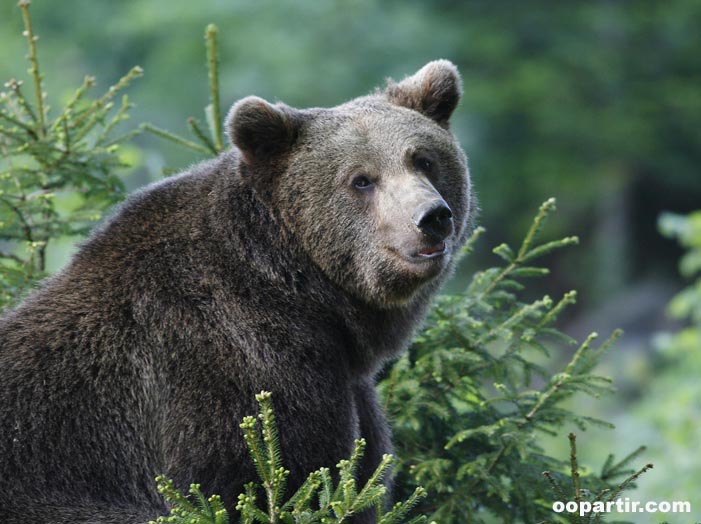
435,251
427,258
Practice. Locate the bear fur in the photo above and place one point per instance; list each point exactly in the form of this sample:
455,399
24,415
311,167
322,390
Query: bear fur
297,262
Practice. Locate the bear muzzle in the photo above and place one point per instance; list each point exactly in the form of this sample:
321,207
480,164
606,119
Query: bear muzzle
435,220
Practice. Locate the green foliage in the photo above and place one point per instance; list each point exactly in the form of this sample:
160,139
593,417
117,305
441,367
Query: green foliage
71,158
197,509
317,501
468,401
668,414
686,305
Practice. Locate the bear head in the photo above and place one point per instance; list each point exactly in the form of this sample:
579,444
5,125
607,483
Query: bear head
376,190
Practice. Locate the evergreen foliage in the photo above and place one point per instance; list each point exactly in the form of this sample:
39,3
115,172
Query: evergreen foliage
71,156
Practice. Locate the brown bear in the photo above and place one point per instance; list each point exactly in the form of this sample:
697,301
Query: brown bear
297,262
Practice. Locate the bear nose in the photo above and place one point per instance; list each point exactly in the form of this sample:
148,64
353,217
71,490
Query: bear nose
435,220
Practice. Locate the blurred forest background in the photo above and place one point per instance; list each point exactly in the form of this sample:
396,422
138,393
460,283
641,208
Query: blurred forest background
597,103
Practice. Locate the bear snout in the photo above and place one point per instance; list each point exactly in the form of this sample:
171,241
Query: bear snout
435,220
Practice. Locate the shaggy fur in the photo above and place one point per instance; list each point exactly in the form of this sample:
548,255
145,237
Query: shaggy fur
268,268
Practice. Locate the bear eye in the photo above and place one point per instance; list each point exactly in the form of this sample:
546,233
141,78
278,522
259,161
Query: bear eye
362,182
422,163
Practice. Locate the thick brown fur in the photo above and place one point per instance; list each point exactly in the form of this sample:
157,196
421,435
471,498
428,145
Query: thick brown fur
272,267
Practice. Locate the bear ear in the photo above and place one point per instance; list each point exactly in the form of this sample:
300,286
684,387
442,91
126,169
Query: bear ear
433,91
261,131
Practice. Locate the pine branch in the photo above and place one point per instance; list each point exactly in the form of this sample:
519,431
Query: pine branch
556,487
36,75
545,209
5,116
611,470
13,257
213,68
15,87
174,138
574,470
123,82
625,484
197,131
